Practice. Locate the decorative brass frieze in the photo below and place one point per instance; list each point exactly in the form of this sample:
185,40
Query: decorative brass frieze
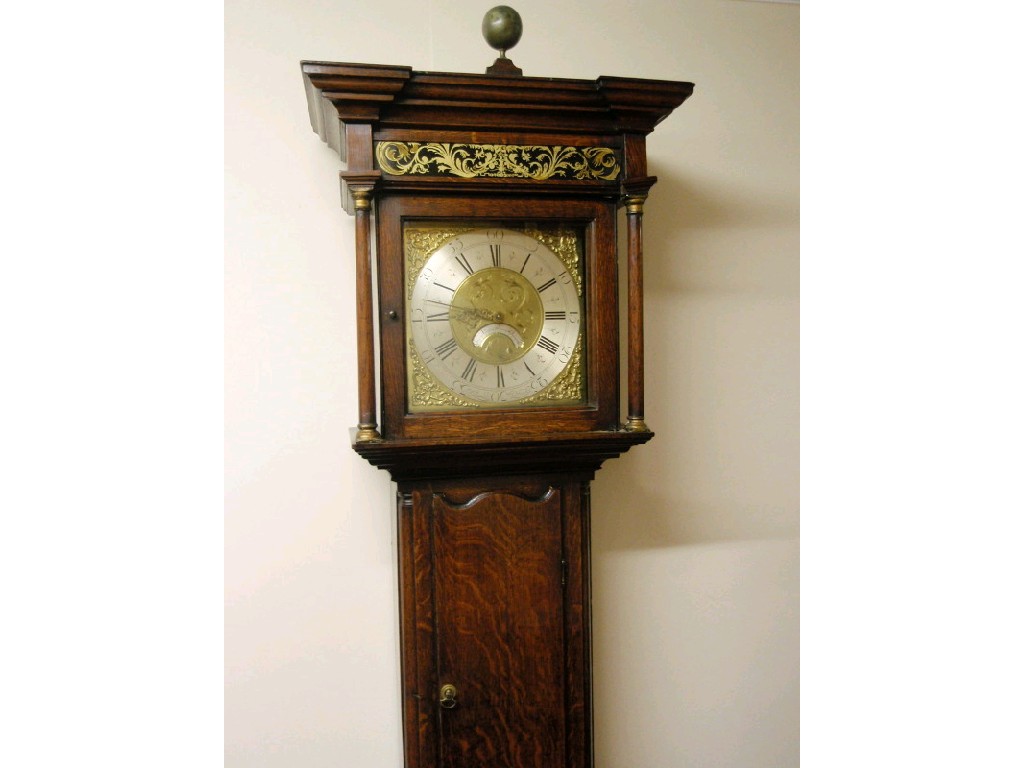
468,161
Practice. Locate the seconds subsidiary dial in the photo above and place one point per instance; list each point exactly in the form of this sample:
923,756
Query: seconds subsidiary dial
494,320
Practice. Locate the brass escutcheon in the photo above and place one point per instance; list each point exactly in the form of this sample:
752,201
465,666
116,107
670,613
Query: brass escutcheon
448,696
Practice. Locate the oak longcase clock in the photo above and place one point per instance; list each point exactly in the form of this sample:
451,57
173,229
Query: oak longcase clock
486,209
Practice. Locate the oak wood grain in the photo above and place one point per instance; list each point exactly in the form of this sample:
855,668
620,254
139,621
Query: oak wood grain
495,600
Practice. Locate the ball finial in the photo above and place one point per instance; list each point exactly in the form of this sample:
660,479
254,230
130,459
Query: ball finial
502,28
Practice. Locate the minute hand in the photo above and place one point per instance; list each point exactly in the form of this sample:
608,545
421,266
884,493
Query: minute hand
469,315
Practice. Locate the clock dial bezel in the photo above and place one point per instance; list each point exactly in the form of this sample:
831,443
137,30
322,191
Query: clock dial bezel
494,315
597,408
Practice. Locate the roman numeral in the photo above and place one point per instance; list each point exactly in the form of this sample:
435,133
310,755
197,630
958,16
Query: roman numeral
470,371
496,254
559,315
441,316
548,284
445,287
548,344
446,349
464,263
501,377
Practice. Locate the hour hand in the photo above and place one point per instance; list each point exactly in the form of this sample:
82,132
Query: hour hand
467,315
470,315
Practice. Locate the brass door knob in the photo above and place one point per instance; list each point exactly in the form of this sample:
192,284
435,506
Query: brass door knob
448,696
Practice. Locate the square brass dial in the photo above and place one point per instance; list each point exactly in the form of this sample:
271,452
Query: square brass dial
494,315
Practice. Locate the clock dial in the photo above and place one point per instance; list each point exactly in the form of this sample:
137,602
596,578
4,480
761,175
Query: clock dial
494,319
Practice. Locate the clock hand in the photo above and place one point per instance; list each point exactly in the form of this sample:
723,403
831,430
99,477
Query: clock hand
461,313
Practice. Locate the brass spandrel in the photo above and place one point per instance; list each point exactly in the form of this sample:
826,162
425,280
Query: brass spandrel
564,242
427,390
567,386
420,244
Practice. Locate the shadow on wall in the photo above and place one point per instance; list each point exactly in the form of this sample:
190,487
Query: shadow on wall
706,234
677,206
722,375
631,512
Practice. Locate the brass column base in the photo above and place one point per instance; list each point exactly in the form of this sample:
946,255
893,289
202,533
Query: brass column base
368,433
636,425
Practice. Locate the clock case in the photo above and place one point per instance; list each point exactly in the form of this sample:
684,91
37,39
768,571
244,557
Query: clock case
405,137
493,507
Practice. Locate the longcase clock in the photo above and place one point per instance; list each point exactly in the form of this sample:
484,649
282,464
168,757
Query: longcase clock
486,210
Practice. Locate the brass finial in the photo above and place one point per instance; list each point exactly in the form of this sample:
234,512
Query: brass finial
502,28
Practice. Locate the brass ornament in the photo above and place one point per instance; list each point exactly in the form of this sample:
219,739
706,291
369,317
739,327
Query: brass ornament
367,433
420,244
502,27
469,161
635,424
567,386
564,243
635,204
491,298
427,390
362,197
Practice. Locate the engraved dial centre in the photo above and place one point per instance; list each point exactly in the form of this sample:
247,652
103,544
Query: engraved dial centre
497,316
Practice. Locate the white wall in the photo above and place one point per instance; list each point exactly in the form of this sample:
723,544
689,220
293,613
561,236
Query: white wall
695,551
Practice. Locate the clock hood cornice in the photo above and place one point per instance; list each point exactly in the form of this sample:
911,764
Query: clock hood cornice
396,98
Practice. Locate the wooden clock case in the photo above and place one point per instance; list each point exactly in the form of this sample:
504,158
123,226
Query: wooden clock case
494,504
